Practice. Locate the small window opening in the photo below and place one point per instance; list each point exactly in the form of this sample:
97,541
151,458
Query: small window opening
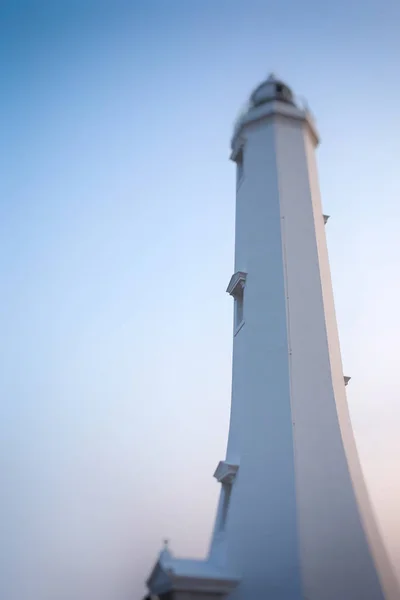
239,167
279,88
226,491
239,301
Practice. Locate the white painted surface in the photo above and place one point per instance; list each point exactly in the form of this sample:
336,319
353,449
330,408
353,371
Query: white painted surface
261,537
295,522
198,579
294,528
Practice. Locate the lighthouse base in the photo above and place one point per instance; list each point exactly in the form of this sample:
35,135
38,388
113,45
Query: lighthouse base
188,595
179,579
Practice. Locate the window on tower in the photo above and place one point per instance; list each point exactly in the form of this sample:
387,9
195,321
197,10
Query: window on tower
226,496
236,289
239,167
239,301
225,474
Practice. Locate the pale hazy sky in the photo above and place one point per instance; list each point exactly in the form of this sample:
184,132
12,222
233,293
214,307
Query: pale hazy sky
116,228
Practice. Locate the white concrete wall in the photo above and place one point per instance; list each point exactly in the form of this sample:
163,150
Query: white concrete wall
261,533
294,529
336,561
379,553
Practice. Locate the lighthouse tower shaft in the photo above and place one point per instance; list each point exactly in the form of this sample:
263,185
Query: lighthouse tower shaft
294,521
294,517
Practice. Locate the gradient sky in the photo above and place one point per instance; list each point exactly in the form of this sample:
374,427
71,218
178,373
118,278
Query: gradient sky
116,228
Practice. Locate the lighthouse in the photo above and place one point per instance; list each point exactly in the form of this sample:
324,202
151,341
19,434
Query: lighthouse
294,520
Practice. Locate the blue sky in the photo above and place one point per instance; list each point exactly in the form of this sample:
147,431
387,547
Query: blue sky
116,228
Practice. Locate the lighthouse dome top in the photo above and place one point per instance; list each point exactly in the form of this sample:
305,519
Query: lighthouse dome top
269,98
270,90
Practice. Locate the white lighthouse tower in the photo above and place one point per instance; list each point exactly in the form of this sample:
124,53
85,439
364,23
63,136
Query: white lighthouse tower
294,520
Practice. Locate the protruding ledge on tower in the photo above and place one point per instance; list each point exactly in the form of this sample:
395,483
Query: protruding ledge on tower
225,472
237,149
346,379
236,283
174,577
326,219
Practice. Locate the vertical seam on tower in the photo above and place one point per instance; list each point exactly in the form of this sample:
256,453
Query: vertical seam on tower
286,287
289,343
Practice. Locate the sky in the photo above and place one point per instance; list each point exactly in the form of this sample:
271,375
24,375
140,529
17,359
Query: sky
117,236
